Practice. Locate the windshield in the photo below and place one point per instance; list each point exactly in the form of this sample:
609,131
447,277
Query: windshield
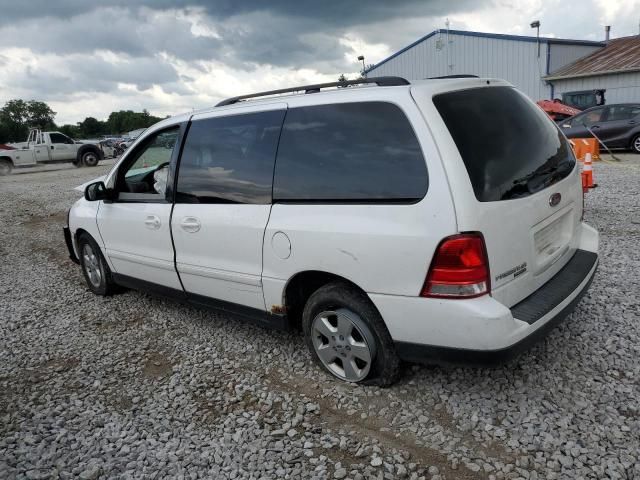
510,147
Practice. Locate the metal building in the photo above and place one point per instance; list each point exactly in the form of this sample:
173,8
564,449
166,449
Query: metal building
521,60
614,68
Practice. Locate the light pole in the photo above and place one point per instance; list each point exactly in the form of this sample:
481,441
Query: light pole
361,58
536,24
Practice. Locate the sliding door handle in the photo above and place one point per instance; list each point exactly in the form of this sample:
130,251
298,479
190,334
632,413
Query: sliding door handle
152,222
190,224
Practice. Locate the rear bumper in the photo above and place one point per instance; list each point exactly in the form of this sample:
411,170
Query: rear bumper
417,353
69,241
482,330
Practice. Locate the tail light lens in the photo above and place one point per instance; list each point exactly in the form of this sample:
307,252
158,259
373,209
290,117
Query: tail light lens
459,269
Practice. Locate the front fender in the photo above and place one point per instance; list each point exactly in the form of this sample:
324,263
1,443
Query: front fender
82,216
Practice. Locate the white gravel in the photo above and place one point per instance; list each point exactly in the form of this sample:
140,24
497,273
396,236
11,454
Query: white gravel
137,387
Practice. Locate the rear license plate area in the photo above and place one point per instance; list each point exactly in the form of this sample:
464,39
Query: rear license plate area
552,240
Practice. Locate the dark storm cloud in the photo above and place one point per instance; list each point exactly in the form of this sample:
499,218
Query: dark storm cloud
150,35
329,12
98,76
281,33
134,33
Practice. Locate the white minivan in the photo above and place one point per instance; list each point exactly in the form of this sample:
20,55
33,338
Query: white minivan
432,221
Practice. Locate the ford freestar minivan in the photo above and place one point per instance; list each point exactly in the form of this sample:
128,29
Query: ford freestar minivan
431,221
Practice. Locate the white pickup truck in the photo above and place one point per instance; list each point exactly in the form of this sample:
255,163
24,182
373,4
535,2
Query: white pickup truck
48,147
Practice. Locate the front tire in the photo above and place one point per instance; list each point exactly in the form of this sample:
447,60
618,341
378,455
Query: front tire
6,167
95,270
347,336
635,144
90,158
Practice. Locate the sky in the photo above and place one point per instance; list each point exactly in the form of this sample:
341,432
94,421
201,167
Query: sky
90,57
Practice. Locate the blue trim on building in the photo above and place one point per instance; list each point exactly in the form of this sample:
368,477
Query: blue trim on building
546,71
498,36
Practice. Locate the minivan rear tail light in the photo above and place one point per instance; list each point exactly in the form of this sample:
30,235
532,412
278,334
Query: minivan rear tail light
459,269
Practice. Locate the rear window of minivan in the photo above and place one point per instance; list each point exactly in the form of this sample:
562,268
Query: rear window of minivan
510,147
349,152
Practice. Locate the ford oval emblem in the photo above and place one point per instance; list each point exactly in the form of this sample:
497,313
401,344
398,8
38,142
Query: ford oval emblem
555,199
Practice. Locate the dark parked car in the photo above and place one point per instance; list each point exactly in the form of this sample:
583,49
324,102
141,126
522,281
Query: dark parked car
618,126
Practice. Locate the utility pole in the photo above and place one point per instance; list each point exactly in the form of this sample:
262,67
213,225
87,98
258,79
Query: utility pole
536,24
361,58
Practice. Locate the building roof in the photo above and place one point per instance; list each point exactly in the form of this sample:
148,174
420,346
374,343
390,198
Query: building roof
500,36
618,56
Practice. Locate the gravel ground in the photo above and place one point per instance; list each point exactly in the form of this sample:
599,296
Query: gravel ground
136,387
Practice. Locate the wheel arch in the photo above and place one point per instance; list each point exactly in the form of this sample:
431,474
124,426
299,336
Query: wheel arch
89,148
302,285
8,165
76,236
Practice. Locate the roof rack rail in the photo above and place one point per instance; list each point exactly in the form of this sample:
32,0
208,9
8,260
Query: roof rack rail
462,75
380,81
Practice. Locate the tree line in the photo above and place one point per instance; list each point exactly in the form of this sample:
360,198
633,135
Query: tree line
17,116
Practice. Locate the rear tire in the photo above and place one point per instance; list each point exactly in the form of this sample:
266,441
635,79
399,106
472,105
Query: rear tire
95,270
347,336
6,167
90,158
635,144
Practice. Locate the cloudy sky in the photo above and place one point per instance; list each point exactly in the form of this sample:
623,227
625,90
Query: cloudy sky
89,57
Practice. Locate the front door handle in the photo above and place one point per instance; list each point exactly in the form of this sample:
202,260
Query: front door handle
190,224
152,222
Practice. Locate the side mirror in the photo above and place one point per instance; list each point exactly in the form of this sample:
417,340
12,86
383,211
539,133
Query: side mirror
97,191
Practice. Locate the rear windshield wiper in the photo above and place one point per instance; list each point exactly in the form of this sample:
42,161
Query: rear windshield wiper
560,168
521,185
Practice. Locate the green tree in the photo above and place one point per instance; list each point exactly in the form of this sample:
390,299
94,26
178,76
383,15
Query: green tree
127,120
40,115
91,127
71,131
4,132
17,116
13,117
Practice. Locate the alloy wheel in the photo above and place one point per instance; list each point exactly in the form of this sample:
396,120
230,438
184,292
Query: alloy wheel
344,344
90,159
91,264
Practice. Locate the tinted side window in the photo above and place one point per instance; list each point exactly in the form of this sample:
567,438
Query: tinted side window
621,112
230,159
593,116
349,152
59,138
